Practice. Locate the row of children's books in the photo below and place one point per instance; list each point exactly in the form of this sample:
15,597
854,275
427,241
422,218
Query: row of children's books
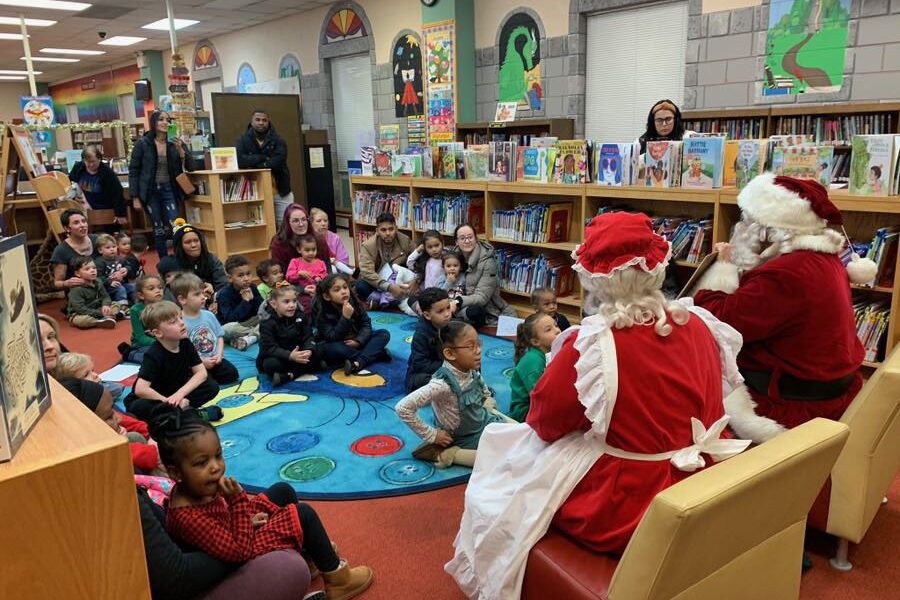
368,204
735,129
239,189
522,272
536,223
835,130
872,320
446,213
882,250
360,238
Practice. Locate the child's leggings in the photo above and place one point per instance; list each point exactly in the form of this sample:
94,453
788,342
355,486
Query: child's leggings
316,542
338,352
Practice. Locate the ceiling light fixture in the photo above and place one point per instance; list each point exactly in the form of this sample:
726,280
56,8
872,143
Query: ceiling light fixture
69,51
11,77
16,72
47,4
121,40
52,59
28,22
163,24
10,36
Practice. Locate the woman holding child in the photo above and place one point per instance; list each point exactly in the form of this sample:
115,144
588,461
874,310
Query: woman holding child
641,424
481,303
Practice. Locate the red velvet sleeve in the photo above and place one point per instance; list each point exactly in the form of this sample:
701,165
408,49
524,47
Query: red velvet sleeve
144,456
555,410
134,425
750,308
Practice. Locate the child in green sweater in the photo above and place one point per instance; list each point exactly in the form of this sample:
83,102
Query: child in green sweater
149,290
533,340
89,303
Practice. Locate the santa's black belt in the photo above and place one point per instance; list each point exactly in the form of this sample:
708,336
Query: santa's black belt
794,388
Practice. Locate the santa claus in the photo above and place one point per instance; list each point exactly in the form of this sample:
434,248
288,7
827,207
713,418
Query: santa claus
781,284
630,403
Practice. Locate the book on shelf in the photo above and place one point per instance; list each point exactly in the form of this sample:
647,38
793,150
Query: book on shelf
571,162
559,219
406,165
224,159
502,163
239,189
895,181
368,204
872,321
870,165
882,250
477,159
804,162
702,162
836,130
691,239
247,223
662,163
360,238
535,223
367,158
424,153
735,129
381,167
522,272
534,164
616,164
446,213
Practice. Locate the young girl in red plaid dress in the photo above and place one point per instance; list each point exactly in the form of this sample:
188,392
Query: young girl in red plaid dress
212,512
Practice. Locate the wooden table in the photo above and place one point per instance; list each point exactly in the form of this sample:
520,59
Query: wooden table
71,527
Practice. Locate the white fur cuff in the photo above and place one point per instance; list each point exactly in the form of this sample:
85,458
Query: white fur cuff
720,277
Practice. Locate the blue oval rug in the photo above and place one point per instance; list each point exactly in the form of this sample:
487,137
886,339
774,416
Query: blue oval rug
338,437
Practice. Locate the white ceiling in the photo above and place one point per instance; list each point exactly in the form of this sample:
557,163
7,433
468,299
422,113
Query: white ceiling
80,30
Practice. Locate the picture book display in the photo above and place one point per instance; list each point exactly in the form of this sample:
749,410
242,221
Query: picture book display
804,162
534,164
662,164
571,162
616,164
702,162
382,163
870,164
477,159
367,158
224,159
749,161
406,165
24,389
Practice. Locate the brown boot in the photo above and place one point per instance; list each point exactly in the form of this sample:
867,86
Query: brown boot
345,583
313,569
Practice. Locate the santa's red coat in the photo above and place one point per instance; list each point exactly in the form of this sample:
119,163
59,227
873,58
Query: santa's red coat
796,315
662,383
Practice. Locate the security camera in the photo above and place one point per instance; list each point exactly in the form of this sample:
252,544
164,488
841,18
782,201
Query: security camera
102,35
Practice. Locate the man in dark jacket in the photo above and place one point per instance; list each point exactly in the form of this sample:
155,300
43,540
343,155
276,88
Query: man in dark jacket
262,148
100,186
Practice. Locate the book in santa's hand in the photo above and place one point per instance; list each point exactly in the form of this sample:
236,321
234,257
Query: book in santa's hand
708,261
870,164
702,162
24,388
804,162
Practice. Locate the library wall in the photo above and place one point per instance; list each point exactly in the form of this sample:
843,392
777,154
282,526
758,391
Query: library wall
726,50
10,93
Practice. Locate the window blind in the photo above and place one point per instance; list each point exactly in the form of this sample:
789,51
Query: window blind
635,57
351,81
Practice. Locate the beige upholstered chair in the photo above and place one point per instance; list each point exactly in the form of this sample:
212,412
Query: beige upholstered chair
867,465
734,530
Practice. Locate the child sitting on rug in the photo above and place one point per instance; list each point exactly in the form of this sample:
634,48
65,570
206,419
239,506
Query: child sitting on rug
454,278
172,372
286,346
270,275
212,513
543,299
148,290
534,337
239,304
112,270
89,304
203,329
425,351
461,401
345,329
168,268
306,271
132,263
144,456
81,366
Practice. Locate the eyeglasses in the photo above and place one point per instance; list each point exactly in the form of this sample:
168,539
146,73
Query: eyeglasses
300,220
466,238
470,347
664,120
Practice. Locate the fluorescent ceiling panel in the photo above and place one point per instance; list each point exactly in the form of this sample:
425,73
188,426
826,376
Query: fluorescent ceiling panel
121,40
163,24
28,22
52,59
71,51
47,4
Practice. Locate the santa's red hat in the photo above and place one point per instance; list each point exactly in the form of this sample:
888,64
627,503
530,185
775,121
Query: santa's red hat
620,240
802,207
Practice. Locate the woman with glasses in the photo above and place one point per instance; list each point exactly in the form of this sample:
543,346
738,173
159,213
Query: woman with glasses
294,225
663,123
481,303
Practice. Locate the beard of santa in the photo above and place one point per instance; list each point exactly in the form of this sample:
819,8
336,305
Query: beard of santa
755,244
632,296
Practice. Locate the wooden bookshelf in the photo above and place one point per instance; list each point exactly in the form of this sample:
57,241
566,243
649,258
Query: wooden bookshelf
862,216
212,210
561,128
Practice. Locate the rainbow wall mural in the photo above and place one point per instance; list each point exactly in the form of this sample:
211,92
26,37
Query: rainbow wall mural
97,95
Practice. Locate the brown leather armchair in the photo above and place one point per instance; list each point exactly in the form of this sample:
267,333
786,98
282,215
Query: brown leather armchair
734,530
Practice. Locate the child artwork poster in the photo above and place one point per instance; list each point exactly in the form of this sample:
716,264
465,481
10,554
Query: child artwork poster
440,70
389,138
519,50
24,390
224,159
409,97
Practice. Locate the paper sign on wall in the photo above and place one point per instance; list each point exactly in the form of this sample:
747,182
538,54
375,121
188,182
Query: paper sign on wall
316,158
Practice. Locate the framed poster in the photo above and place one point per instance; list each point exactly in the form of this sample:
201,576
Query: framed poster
24,390
440,74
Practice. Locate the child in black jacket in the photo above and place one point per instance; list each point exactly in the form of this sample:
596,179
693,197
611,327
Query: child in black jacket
344,328
286,346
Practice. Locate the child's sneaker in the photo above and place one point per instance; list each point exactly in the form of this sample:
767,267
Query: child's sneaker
121,315
404,306
211,413
106,323
244,342
345,583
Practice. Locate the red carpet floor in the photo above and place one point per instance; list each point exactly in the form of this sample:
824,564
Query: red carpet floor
407,540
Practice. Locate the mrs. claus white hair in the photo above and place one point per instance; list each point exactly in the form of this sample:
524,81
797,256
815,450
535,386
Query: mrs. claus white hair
630,297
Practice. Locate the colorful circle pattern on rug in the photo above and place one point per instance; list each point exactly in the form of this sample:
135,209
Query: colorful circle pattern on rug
306,469
337,436
376,445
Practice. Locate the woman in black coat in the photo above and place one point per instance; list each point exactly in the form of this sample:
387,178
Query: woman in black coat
155,164
98,183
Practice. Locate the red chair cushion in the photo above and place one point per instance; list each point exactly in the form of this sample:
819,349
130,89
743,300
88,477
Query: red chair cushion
559,568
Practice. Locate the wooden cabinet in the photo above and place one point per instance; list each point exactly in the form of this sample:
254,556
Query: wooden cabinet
71,527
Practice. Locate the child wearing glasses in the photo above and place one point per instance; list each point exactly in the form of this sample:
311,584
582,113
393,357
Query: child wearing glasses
462,403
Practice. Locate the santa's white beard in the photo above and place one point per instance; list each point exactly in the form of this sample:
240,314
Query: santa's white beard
754,244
